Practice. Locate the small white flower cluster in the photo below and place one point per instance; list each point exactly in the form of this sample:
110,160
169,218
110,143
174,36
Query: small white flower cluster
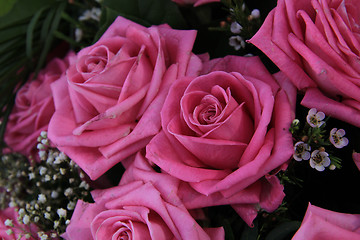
21,233
88,15
46,236
237,41
93,14
48,190
319,158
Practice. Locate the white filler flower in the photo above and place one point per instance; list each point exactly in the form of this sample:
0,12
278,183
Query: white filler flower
301,151
319,160
314,118
337,138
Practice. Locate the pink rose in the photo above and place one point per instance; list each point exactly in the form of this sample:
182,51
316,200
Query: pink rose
322,224
108,104
356,158
10,224
135,211
316,44
33,109
226,132
194,2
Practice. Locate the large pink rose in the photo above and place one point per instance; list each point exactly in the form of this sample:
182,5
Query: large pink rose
33,109
135,211
17,230
226,131
194,2
108,104
322,224
316,44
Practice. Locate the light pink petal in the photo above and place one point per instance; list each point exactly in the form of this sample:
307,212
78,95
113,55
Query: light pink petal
290,67
321,224
192,199
149,123
272,193
172,163
79,227
329,80
217,153
179,53
315,99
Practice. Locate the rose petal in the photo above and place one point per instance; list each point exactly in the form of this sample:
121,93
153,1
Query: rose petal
323,224
315,99
174,165
263,40
217,153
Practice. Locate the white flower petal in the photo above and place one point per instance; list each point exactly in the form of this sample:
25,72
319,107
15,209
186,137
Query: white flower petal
305,155
320,115
340,132
320,168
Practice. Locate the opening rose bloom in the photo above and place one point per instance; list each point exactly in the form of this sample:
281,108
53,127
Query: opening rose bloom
33,109
134,211
224,131
322,224
316,44
108,104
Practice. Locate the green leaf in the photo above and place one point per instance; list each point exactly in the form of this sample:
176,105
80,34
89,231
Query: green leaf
62,36
54,24
22,11
30,32
6,6
283,231
129,7
13,32
7,46
46,24
250,233
172,16
148,12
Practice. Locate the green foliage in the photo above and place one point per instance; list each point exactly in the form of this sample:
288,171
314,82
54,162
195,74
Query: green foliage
250,233
283,231
148,12
6,6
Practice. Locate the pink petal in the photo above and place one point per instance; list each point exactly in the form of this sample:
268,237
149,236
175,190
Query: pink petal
321,224
315,99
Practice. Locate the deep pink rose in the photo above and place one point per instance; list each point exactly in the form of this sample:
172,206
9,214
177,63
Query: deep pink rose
108,104
194,2
135,211
33,109
17,229
226,131
316,44
356,158
322,224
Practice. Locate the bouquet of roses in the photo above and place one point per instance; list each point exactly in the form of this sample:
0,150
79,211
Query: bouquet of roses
180,119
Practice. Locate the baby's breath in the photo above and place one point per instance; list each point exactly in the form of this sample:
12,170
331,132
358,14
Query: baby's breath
44,193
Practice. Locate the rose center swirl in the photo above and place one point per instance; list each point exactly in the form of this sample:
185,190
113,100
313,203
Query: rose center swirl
208,111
